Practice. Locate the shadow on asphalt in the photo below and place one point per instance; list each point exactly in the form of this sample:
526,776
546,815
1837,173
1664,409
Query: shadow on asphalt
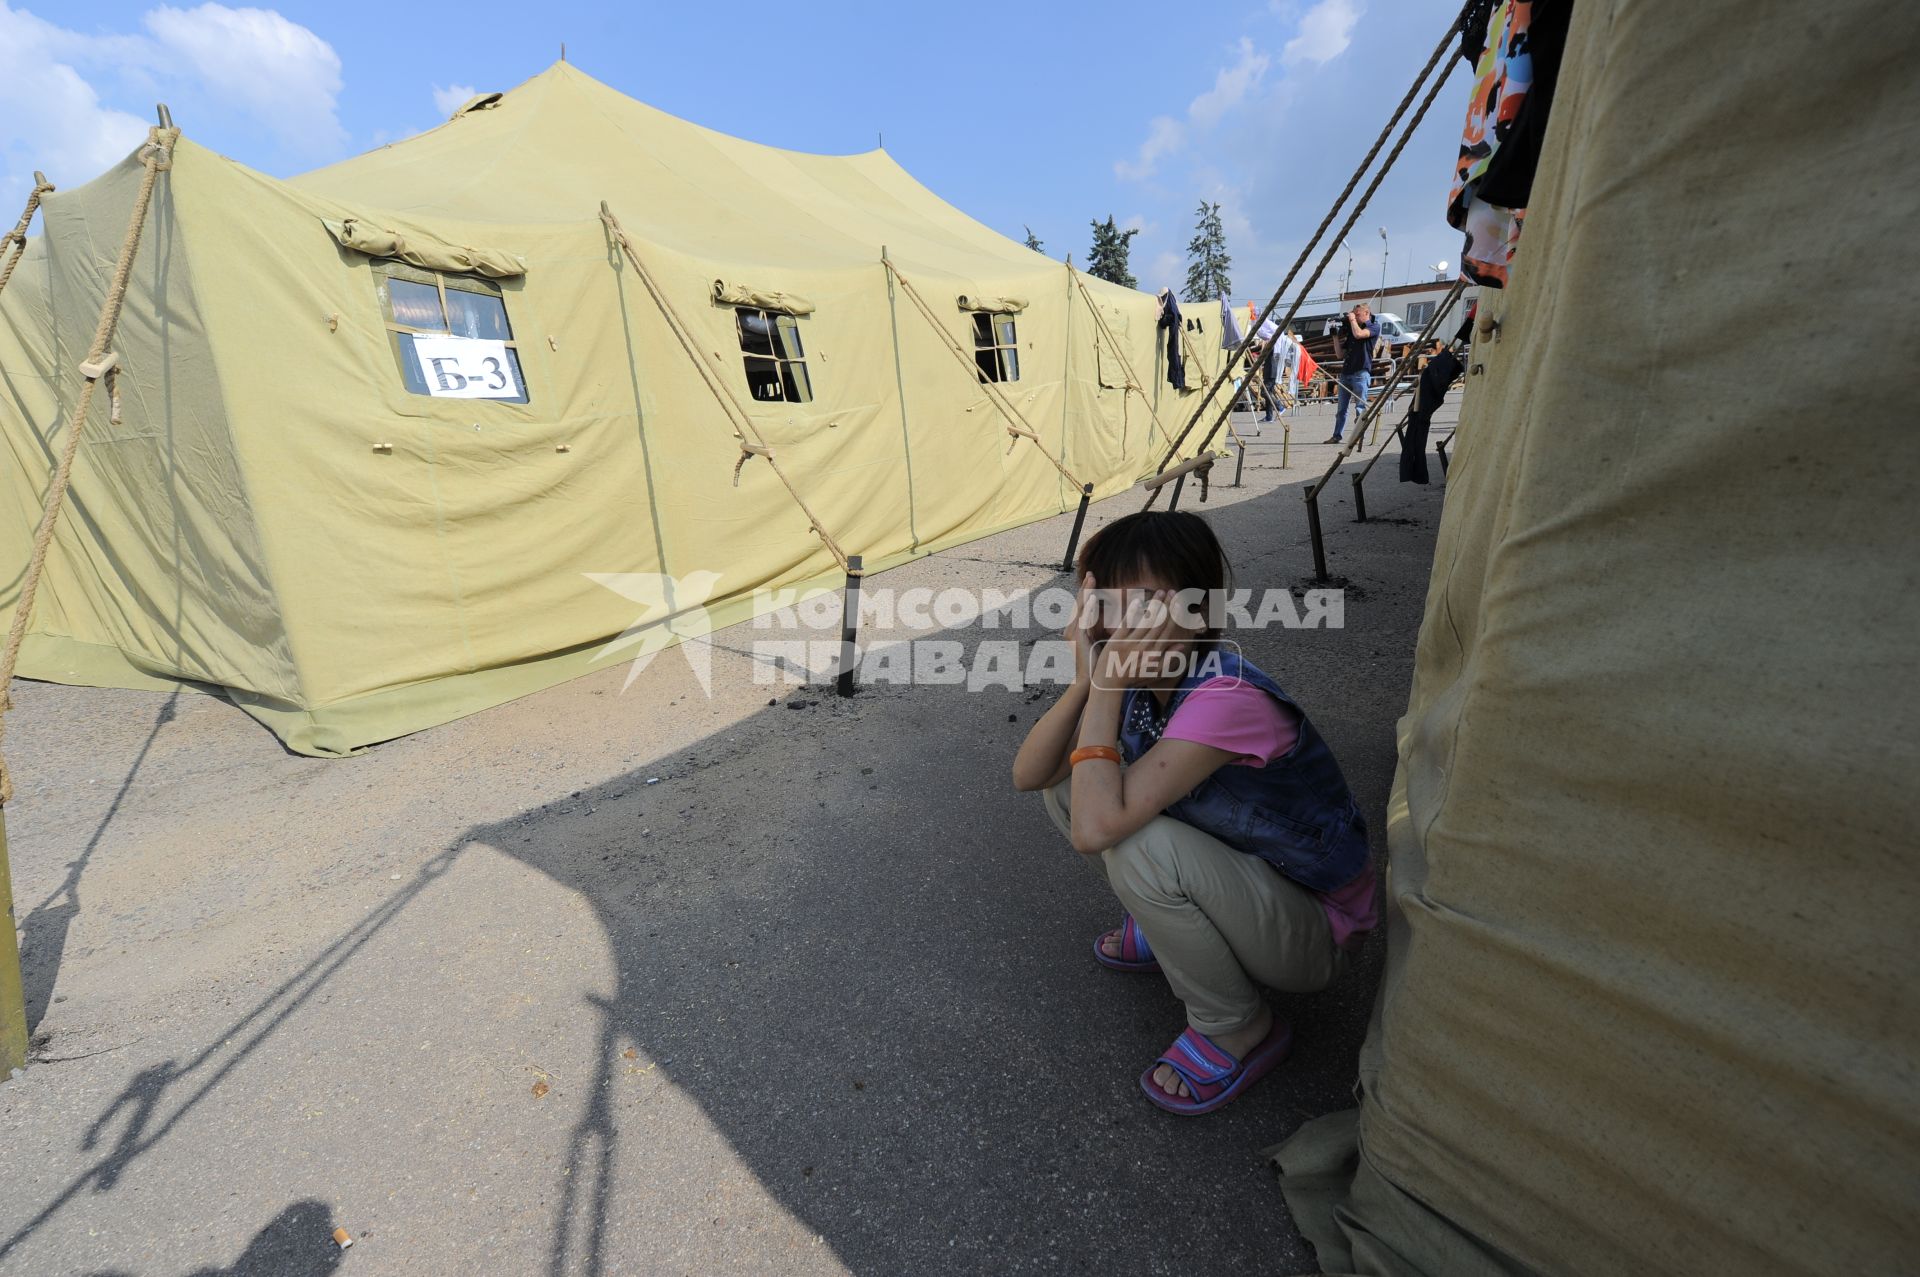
43,931
873,974
295,1243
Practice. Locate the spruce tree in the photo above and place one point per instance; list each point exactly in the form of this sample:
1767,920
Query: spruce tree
1033,241
1108,258
1207,260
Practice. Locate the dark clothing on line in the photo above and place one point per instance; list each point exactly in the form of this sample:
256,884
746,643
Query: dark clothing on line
1176,361
1435,380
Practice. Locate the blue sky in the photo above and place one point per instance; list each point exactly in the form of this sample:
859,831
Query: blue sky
1046,115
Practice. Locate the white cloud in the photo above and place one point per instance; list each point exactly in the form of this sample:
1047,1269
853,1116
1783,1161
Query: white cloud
50,117
1325,32
282,74
452,98
1165,135
56,82
1135,222
1230,86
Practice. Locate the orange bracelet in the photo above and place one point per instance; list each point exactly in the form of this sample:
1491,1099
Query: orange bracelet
1085,752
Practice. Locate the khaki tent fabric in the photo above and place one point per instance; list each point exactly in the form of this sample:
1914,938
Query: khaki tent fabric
276,515
1649,1003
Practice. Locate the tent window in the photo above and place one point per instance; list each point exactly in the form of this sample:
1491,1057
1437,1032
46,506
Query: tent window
420,302
995,346
776,361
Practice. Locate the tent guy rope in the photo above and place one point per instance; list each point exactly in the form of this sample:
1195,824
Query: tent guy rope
157,155
98,366
1133,386
1017,425
752,444
17,237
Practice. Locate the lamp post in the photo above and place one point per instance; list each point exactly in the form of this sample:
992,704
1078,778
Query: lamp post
1347,287
1384,249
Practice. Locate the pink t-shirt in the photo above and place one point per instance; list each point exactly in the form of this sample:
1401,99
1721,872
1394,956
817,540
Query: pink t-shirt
1234,715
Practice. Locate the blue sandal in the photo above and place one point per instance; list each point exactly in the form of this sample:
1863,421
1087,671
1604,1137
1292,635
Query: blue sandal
1134,953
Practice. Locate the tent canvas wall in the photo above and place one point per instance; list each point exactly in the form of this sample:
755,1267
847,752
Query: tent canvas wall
1649,997
277,514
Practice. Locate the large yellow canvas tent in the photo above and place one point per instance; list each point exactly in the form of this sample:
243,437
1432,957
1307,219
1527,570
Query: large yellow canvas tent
377,424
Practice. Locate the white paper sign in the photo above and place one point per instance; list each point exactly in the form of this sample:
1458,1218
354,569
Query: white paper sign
466,368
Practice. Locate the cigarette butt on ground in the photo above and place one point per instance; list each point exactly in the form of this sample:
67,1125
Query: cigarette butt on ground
342,1238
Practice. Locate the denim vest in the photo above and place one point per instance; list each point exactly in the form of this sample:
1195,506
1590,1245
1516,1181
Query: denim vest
1295,813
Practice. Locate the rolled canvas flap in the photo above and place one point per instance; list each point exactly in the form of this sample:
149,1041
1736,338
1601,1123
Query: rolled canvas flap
1000,305
761,298
425,251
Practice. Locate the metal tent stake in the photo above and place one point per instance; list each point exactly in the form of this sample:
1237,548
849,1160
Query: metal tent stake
1359,478
1241,464
850,626
1313,526
1079,521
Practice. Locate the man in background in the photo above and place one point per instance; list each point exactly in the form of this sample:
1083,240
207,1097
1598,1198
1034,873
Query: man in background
1356,365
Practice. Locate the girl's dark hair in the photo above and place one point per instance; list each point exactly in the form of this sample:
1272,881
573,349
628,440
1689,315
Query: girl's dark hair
1174,547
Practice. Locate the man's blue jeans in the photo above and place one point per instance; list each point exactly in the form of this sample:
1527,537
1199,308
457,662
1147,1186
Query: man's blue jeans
1353,385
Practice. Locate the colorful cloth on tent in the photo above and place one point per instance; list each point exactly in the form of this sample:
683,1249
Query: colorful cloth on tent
1502,79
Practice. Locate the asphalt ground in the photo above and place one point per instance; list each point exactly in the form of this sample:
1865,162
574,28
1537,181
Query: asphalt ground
638,979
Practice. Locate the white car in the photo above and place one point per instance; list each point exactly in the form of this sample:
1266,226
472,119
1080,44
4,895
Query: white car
1395,330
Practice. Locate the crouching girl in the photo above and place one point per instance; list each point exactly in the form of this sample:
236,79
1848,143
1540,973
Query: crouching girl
1218,812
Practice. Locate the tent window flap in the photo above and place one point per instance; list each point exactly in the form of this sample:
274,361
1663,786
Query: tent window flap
1002,305
422,250
767,299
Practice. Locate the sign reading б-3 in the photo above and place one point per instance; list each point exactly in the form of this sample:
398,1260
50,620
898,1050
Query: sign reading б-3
466,368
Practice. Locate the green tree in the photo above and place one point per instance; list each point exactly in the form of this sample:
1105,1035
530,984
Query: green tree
1108,259
1207,260
1033,241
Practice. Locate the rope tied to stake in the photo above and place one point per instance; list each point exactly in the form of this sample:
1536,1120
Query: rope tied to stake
99,365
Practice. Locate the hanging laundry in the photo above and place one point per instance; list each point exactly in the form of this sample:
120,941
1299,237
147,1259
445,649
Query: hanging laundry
1170,321
1435,380
1229,330
1288,354
1305,366
1517,68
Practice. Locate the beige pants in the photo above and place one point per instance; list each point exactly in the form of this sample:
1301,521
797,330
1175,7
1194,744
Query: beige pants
1221,923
